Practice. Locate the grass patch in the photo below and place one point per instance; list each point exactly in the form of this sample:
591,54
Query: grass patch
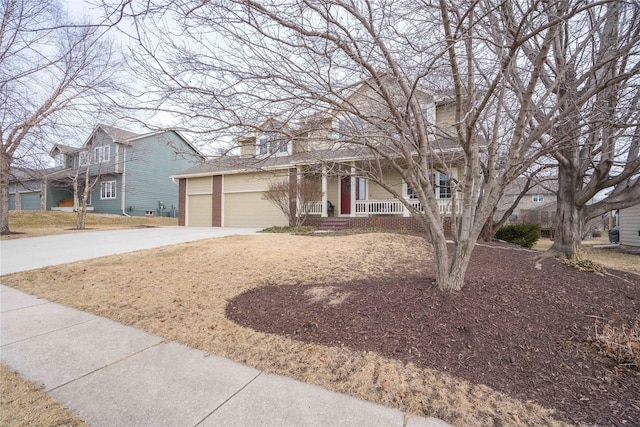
615,259
24,403
298,229
140,289
44,223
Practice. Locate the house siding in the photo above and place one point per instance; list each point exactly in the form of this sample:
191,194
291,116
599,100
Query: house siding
258,181
29,195
630,226
148,166
108,206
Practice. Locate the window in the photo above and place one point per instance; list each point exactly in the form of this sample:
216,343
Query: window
59,160
442,186
271,144
410,193
108,190
262,145
82,158
361,189
101,154
538,198
283,148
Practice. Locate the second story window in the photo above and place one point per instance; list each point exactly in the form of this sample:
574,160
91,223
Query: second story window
537,198
263,147
272,145
101,154
59,159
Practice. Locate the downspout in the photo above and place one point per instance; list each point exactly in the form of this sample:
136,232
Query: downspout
124,178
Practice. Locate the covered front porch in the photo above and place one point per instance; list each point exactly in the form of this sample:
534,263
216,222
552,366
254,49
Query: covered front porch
353,196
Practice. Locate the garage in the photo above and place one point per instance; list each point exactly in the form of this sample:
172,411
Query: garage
248,209
199,202
199,212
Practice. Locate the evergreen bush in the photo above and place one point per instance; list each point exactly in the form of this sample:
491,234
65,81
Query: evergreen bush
525,235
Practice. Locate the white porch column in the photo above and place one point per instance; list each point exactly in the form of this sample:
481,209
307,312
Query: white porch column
325,213
354,190
405,194
299,178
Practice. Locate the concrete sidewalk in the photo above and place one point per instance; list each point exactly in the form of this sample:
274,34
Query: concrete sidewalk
111,374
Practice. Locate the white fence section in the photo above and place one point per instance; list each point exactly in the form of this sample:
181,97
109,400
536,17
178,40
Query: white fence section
313,208
389,207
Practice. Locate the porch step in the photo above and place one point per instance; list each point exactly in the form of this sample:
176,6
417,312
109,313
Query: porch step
334,224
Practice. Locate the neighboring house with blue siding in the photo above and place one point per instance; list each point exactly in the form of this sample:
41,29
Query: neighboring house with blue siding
129,173
25,189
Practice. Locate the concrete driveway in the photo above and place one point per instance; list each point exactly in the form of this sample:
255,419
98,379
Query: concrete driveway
35,252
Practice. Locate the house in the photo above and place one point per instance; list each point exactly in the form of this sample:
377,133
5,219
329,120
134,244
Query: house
128,173
229,191
538,206
25,188
629,222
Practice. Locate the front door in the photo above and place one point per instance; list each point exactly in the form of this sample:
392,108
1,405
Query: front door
345,195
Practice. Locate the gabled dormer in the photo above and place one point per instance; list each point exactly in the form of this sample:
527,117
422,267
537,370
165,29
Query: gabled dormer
272,138
65,156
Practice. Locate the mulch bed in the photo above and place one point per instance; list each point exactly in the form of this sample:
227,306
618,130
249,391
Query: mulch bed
521,330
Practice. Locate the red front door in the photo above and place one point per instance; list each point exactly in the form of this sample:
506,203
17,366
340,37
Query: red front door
345,195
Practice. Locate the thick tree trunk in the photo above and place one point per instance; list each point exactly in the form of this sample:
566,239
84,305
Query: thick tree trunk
569,222
5,164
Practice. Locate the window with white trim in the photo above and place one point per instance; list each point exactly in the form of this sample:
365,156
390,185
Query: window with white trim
361,189
101,154
263,147
272,144
108,190
441,185
537,198
60,160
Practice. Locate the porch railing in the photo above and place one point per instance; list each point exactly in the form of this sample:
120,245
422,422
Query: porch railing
388,207
313,208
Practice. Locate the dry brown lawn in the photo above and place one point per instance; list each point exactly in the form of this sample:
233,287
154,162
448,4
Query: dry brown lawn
612,258
25,224
24,403
180,293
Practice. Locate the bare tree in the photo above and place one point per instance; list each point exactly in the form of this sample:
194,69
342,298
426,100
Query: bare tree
595,71
225,66
49,72
305,193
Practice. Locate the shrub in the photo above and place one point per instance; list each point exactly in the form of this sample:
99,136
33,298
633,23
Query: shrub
596,233
621,344
525,235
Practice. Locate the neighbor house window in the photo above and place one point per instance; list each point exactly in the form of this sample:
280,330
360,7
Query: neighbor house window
108,190
101,154
538,198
